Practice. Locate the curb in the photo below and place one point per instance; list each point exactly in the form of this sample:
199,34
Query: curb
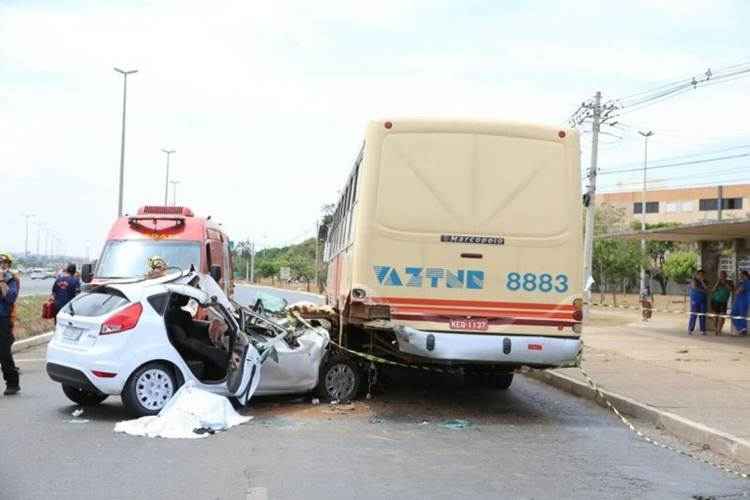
694,432
25,344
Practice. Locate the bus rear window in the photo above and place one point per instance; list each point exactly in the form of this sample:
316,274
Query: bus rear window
475,183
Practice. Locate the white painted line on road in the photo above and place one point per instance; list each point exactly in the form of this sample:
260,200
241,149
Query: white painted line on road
257,493
29,360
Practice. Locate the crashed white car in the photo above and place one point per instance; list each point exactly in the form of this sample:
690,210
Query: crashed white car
143,340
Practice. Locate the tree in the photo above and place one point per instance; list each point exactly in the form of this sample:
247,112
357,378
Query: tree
615,262
656,254
680,266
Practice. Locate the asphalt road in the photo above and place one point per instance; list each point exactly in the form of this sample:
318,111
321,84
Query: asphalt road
530,442
247,295
36,287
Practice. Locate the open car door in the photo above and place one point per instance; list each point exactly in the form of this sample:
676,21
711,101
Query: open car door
243,373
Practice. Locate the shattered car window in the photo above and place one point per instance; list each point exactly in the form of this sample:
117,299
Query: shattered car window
271,303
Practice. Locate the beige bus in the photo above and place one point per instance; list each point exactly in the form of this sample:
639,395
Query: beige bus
460,243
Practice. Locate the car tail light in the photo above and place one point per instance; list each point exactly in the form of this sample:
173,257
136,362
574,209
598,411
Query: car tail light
122,321
578,309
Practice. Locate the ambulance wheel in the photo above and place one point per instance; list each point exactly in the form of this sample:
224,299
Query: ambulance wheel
340,380
82,397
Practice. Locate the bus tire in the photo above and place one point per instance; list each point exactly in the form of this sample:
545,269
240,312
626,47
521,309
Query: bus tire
503,380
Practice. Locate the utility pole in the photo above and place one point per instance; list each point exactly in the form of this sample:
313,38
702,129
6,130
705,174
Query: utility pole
38,236
645,135
174,192
588,249
252,262
168,152
26,245
317,265
122,141
720,200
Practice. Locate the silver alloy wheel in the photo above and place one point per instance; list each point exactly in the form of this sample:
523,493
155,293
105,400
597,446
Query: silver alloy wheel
340,381
154,388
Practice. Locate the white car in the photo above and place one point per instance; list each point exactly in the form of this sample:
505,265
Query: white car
123,339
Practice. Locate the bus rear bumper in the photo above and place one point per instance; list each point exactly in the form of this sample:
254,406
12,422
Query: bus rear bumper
512,350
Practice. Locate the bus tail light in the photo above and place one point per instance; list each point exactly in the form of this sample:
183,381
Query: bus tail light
578,309
127,319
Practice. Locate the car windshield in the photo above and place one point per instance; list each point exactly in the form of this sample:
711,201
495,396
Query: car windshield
128,258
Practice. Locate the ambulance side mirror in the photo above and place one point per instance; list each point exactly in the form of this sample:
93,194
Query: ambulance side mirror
87,273
216,273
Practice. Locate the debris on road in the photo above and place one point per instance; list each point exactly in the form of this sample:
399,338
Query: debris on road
456,424
191,414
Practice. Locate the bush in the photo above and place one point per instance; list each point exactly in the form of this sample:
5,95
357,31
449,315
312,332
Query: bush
29,321
680,266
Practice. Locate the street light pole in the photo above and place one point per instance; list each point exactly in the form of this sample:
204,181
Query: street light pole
168,152
122,141
645,135
174,192
26,245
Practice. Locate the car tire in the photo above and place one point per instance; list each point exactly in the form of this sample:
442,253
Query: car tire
149,388
83,397
340,379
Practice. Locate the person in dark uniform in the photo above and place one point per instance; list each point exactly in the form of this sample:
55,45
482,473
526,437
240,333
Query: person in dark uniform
8,296
698,302
66,286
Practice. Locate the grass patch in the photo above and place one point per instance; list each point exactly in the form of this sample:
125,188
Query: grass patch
29,321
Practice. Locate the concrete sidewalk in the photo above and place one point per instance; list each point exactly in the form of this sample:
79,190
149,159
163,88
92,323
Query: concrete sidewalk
705,379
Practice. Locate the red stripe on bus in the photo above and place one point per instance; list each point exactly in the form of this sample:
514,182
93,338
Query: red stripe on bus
491,321
485,312
472,303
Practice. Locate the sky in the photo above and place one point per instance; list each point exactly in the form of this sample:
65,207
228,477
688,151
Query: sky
266,103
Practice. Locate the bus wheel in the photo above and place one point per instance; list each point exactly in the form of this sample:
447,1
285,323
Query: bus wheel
503,380
340,379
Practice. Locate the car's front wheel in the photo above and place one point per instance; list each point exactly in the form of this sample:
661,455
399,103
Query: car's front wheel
149,389
340,379
83,397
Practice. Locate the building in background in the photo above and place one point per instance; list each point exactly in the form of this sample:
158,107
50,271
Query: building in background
683,205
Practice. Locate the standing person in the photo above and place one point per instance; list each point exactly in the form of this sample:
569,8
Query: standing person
646,303
66,286
698,302
8,296
741,303
720,295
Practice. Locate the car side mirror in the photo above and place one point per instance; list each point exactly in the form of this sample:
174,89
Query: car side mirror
87,273
216,273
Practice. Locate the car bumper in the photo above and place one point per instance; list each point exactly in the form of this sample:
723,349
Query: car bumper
512,350
84,363
72,377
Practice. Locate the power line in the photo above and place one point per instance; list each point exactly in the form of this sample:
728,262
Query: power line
711,175
679,164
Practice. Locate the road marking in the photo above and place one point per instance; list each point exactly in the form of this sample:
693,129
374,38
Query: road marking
29,360
257,493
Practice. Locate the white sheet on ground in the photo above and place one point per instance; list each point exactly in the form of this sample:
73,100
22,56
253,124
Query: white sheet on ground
189,409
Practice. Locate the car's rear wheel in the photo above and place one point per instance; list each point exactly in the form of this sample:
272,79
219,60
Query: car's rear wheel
340,380
149,388
83,397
